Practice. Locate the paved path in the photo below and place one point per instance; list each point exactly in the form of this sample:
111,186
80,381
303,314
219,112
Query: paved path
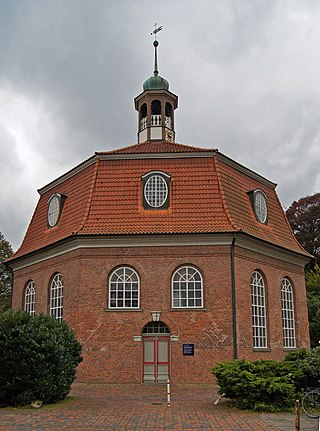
102,407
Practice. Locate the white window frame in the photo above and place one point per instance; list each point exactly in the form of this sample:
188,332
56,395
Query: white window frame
259,314
156,191
30,298
288,321
124,289
261,206
56,296
54,209
184,288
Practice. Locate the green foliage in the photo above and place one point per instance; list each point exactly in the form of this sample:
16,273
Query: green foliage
5,274
269,385
258,385
304,218
313,299
310,368
38,358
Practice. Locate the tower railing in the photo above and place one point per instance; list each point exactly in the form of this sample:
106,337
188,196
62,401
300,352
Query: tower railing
143,123
156,120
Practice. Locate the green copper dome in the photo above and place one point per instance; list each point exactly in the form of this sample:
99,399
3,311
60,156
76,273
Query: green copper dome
156,82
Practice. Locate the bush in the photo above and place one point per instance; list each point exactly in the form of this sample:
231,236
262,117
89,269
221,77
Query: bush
38,358
269,385
308,363
258,385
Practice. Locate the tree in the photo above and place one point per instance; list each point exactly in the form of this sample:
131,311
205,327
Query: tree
313,298
304,218
38,358
5,274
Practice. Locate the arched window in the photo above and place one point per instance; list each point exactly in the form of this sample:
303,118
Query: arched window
288,326
143,116
156,107
168,115
259,321
56,297
155,328
30,298
187,288
124,288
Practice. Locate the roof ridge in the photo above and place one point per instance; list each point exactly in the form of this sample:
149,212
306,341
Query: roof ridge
91,190
288,224
25,235
153,144
224,203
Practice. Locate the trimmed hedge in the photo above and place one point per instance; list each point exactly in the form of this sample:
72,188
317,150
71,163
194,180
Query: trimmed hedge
268,385
38,358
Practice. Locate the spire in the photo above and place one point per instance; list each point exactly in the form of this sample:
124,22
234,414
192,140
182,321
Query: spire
155,44
156,82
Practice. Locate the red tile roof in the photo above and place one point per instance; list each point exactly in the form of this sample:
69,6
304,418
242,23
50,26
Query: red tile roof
209,194
153,147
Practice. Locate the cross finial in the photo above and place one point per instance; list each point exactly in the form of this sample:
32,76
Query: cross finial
155,44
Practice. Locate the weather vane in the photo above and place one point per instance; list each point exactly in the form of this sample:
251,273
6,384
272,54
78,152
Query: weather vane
156,30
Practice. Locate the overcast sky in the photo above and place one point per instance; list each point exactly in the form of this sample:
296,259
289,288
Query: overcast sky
247,73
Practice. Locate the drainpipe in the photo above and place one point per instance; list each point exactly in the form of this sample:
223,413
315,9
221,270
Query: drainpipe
234,305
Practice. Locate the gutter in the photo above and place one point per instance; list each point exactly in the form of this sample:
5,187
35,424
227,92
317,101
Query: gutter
233,296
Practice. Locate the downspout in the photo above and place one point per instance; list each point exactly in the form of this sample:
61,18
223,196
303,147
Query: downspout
233,296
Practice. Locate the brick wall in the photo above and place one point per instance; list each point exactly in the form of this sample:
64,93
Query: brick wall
109,350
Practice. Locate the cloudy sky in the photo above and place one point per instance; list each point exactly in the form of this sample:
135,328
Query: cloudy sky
247,73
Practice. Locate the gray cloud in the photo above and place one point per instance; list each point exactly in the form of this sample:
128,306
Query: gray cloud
247,75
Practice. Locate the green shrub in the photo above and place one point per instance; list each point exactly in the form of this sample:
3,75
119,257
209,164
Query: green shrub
269,385
308,363
38,358
258,385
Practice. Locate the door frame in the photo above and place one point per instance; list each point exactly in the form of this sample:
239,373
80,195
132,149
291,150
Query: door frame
155,338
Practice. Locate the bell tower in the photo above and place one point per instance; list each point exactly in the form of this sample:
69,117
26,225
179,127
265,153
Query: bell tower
156,105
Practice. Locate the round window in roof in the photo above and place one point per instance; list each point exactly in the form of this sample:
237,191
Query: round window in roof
53,210
156,191
260,206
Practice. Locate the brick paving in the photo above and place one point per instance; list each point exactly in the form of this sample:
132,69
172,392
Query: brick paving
101,407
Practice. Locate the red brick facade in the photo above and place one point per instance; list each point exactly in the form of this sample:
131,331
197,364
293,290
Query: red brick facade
110,352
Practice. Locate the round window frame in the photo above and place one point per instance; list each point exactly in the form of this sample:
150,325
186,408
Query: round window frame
147,199
53,217
262,218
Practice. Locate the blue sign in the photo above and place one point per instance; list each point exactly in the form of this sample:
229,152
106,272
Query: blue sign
188,350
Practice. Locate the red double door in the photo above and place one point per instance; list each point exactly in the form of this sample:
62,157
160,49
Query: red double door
155,359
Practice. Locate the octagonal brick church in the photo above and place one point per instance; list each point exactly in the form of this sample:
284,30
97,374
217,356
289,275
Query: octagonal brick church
164,258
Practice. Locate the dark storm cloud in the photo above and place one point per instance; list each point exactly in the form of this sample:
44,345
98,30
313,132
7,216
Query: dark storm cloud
247,75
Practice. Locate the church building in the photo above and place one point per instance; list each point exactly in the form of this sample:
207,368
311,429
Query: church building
164,258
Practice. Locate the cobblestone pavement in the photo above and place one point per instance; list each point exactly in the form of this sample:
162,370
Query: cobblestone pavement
101,407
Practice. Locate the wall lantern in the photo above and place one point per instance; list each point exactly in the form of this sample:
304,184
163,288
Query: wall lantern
155,315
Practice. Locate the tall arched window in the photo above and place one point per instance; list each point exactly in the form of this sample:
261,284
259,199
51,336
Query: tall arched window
156,107
56,297
288,326
143,116
124,288
187,288
259,321
30,298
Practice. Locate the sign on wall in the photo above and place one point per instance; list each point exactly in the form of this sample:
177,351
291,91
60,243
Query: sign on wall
188,349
